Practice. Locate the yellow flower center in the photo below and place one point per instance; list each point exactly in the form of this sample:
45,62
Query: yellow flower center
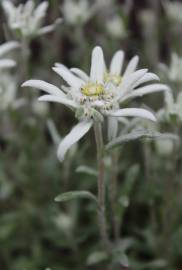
115,79
93,89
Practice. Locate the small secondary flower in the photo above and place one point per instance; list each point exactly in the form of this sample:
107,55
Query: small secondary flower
173,10
174,71
81,11
115,27
26,19
173,108
76,13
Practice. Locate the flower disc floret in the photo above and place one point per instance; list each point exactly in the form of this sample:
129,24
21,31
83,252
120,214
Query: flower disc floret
93,89
113,78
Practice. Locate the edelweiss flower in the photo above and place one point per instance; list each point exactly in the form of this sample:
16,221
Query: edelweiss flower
98,95
5,49
77,12
172,109
115,27
26,19
173,10
174,71
80,11
165,147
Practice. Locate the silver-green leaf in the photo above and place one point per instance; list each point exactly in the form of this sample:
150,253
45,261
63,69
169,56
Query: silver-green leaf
139,134
87,170
97,257
71,195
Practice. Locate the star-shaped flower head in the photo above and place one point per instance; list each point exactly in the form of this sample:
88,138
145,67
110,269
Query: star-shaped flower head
26,19
76,12
100,94
173,10
172,111
173,72
81,11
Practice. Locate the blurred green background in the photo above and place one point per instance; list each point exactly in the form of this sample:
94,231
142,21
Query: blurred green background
35,231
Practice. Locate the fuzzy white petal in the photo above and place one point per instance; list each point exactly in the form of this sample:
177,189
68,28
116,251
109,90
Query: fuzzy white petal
41,9
132,65
8,8
45,30
97,65
60,65
124,121
7,63
71,79
74,136
81,74
117,63
147,78
8,46
145,90
44,86
29,7
131,79
65,101
128,82
49,28
112,127
134,112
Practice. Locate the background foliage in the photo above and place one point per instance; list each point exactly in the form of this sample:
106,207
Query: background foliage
38,233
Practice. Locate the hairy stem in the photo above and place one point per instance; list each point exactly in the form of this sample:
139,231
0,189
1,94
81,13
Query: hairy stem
113,194
101,187
25,59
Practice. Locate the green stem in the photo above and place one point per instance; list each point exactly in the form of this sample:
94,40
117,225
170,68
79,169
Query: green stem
101,187
113,194
25,69
25,59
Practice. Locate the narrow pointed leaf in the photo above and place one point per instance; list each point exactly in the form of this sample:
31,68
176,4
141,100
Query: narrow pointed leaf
72,195
139,134
87,170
